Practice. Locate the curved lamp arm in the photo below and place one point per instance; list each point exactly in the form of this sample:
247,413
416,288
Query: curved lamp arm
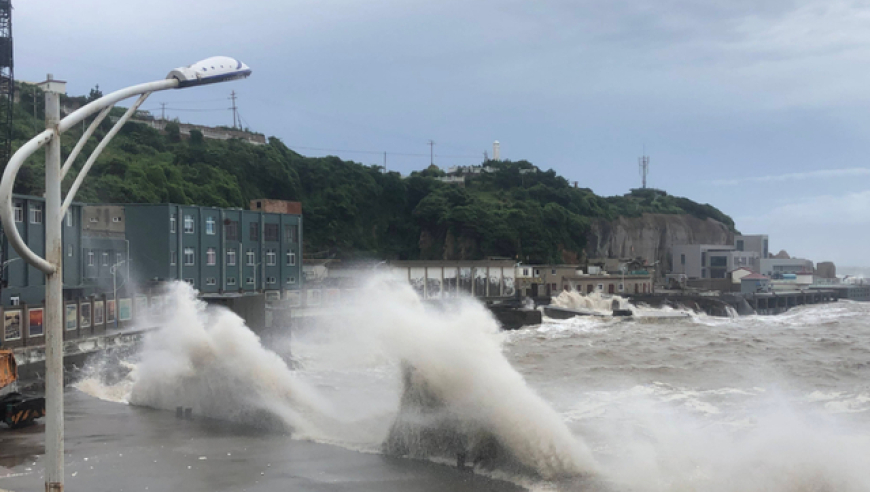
7,217
6,210
209,71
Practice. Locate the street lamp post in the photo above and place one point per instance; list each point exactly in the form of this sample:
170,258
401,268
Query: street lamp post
208,71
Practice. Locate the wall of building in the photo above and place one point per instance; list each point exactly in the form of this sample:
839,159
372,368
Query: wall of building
276,206
751,286
99,256
773,266
151,241
218,250
686,260
25,283
710,260
757,243
103,220
609,284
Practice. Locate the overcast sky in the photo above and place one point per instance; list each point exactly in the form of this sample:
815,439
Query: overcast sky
759,108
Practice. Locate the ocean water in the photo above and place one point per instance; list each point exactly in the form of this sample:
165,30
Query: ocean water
774,404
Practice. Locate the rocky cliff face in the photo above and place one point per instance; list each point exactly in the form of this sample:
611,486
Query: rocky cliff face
651,236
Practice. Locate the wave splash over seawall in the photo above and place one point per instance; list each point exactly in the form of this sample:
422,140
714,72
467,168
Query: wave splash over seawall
205,358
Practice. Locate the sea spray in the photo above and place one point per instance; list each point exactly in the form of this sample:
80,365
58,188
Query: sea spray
455,351
205,358
594,301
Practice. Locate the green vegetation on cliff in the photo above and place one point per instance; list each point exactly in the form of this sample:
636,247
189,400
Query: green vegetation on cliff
351,209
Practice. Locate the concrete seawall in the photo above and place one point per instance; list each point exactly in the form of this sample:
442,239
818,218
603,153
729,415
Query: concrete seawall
31,360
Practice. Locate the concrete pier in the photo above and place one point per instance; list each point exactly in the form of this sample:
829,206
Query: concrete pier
780,302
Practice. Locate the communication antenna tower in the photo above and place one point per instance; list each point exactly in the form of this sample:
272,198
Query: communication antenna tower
643,164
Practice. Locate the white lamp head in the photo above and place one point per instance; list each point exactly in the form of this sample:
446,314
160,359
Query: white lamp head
210,71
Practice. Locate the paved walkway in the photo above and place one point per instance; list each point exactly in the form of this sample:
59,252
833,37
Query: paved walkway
114,448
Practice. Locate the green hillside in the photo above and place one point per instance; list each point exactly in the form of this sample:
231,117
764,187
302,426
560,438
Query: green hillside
351,209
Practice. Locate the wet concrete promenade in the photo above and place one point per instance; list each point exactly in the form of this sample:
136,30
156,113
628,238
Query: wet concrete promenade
115,447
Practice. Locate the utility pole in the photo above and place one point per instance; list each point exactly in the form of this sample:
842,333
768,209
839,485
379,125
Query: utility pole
385,162
234,108
431,153
163,111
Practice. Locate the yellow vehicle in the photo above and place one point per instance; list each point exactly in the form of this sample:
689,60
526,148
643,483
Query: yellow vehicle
16,410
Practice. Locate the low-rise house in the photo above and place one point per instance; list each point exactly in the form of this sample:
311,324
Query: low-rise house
754,283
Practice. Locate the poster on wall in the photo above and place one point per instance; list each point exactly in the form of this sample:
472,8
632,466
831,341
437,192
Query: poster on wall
36,327
86,315
110,311
125,309
98,313
71,317
12,325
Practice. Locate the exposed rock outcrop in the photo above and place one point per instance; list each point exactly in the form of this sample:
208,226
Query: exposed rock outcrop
652,236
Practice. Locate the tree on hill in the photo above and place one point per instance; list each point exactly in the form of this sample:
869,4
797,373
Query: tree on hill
351,209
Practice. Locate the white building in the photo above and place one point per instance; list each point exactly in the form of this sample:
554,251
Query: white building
775,267
710,260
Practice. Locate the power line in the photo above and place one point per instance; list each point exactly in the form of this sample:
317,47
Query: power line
195,110
200,101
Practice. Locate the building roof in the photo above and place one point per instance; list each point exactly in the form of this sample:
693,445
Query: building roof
755,276
741,268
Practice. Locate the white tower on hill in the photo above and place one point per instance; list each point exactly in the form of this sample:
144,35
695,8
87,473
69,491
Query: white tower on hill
496,154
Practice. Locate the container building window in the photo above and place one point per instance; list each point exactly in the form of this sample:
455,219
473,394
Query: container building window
270,232
232,230
36,214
